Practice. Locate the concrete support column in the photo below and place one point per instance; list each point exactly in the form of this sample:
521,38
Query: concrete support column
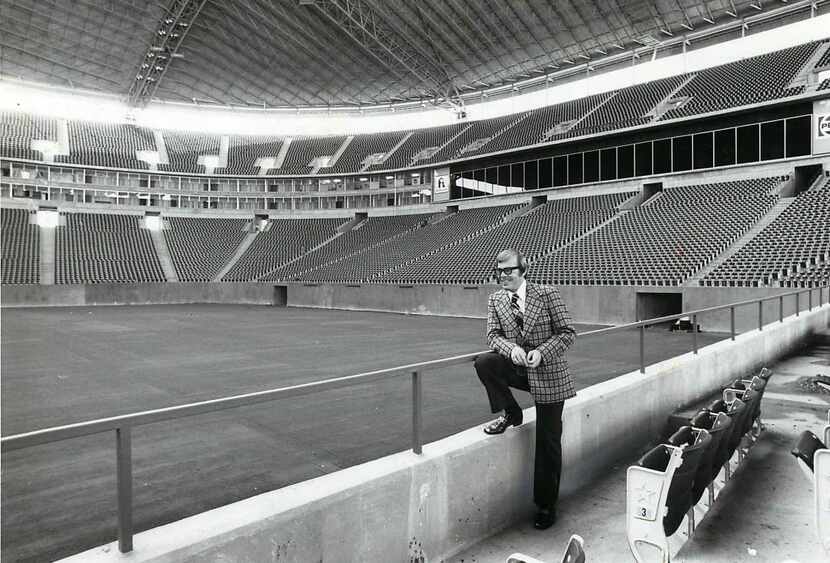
47,256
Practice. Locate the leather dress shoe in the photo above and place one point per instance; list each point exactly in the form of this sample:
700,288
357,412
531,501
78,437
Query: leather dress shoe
544,519
502,423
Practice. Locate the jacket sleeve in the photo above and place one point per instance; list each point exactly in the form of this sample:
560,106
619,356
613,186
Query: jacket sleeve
495,333
562,330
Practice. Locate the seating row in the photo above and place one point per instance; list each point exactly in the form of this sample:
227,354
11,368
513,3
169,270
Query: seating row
20,241
679,481
753,80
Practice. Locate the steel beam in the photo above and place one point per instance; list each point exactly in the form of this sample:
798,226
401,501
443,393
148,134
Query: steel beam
164,46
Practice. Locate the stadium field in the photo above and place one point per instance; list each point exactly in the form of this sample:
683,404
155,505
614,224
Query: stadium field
65,365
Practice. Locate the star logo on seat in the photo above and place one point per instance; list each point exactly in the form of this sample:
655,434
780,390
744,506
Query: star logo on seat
645,494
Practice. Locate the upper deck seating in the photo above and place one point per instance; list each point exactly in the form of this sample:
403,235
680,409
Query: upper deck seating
361,147
786,248
103,248
21,247
666,240
303,150
411,245
749,81
285,240
185,148
544,228
245,150
18,130
417,145
477,139
113,145
539,124
200,247
628,108
370,233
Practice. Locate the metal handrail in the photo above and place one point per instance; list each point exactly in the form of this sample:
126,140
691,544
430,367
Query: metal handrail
123,424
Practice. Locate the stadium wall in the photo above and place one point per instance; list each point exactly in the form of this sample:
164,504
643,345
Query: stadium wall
587,304
408,507
597,304
141,294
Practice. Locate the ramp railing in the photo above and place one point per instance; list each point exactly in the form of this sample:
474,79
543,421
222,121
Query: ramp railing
122,425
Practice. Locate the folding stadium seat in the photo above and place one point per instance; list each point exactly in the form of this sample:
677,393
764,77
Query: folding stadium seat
694,443
574,553
813,457
737,411
647,490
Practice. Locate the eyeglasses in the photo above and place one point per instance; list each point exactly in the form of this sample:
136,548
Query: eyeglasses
505,271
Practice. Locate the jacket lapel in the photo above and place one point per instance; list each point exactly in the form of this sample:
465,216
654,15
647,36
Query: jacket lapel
532,308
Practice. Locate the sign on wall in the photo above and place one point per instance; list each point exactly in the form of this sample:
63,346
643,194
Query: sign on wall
821,127
441,184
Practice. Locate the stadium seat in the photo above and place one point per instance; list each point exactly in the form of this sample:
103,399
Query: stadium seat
695,444
574,553
719,426
647,490
813,457
737,411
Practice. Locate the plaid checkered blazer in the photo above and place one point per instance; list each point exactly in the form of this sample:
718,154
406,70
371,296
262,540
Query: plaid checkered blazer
547,328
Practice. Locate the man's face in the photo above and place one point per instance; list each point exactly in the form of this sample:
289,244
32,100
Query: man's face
509,281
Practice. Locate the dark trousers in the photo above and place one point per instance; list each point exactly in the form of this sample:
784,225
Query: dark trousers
498,374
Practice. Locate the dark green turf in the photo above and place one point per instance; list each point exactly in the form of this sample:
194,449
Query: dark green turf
64,365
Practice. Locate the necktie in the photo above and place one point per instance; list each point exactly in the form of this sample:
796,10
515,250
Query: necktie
517,313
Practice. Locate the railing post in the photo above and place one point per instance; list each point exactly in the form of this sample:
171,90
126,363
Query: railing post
694,334
732,321
797,304
781,308
124,482
642,348
760,315
417,414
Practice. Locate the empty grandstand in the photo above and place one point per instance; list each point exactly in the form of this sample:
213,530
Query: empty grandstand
21,246
294,209
105,248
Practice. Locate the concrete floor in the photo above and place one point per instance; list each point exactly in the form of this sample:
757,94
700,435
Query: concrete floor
765,515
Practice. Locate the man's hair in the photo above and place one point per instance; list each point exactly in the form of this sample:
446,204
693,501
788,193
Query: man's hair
521,261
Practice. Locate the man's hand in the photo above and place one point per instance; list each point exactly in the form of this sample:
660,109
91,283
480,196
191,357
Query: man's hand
518,356
534,358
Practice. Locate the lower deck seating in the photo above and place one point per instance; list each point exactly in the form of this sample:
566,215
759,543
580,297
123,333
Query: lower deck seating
283,241
666,240
667,486
201,247
103,248
21,247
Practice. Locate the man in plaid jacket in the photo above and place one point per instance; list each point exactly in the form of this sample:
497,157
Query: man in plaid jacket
529,330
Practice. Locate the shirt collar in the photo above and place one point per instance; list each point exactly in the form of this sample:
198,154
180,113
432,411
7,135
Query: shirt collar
522,291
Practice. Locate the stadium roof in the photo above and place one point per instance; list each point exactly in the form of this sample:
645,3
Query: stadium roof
351,53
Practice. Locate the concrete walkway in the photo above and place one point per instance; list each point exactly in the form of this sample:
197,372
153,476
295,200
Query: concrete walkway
766,512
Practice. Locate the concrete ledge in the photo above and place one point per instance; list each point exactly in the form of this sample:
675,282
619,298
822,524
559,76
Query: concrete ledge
140,294
465,487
